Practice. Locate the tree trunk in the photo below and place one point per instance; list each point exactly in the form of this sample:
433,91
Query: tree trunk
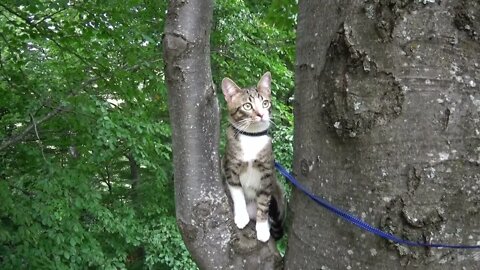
387,126
202,209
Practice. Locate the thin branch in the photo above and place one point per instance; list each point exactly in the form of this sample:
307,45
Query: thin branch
48,35
38,137
7,79
49,16
14,12
22,134
69,110
13,49
6,143
106,179
134,171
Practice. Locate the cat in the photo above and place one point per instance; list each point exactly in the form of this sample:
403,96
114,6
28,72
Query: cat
248,163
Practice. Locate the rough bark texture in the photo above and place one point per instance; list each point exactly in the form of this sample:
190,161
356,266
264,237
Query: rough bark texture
202,209
387,125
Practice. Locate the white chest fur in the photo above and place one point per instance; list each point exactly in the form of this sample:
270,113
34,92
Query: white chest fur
250,178
251,146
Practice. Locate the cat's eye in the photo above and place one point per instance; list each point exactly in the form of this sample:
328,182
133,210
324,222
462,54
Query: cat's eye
247,106
266,104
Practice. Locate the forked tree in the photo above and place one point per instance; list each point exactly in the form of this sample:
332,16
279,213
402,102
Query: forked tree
202,208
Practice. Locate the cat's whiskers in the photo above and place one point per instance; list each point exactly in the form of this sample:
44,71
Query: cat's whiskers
244,124
246,120
239,125
271,122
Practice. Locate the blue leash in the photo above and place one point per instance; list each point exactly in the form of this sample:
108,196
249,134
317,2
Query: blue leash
358,222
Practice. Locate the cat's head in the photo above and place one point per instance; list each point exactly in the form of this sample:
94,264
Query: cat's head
249,109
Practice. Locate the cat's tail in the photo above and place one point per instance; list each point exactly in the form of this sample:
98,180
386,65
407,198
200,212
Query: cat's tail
276,214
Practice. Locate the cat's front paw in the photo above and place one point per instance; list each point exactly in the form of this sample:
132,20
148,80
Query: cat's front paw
263,231
242,219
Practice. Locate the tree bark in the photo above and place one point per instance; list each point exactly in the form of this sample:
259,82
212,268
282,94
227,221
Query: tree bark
202,209
387,125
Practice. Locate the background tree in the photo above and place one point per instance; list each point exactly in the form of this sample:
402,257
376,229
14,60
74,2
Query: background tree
387,126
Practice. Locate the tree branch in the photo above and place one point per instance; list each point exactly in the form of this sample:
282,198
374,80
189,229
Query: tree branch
49,36
38,137
10,47
134,173
29,128
49,16
58,109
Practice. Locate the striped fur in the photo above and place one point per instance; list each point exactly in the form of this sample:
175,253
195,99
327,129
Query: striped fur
248,163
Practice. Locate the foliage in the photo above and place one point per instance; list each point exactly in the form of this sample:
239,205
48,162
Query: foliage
85,154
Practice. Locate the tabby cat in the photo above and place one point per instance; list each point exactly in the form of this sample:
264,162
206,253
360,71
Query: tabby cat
248,164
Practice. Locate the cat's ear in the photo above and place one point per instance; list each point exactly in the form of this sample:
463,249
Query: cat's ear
229,89
264,84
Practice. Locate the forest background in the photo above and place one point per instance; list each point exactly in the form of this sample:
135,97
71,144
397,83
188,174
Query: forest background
86,176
